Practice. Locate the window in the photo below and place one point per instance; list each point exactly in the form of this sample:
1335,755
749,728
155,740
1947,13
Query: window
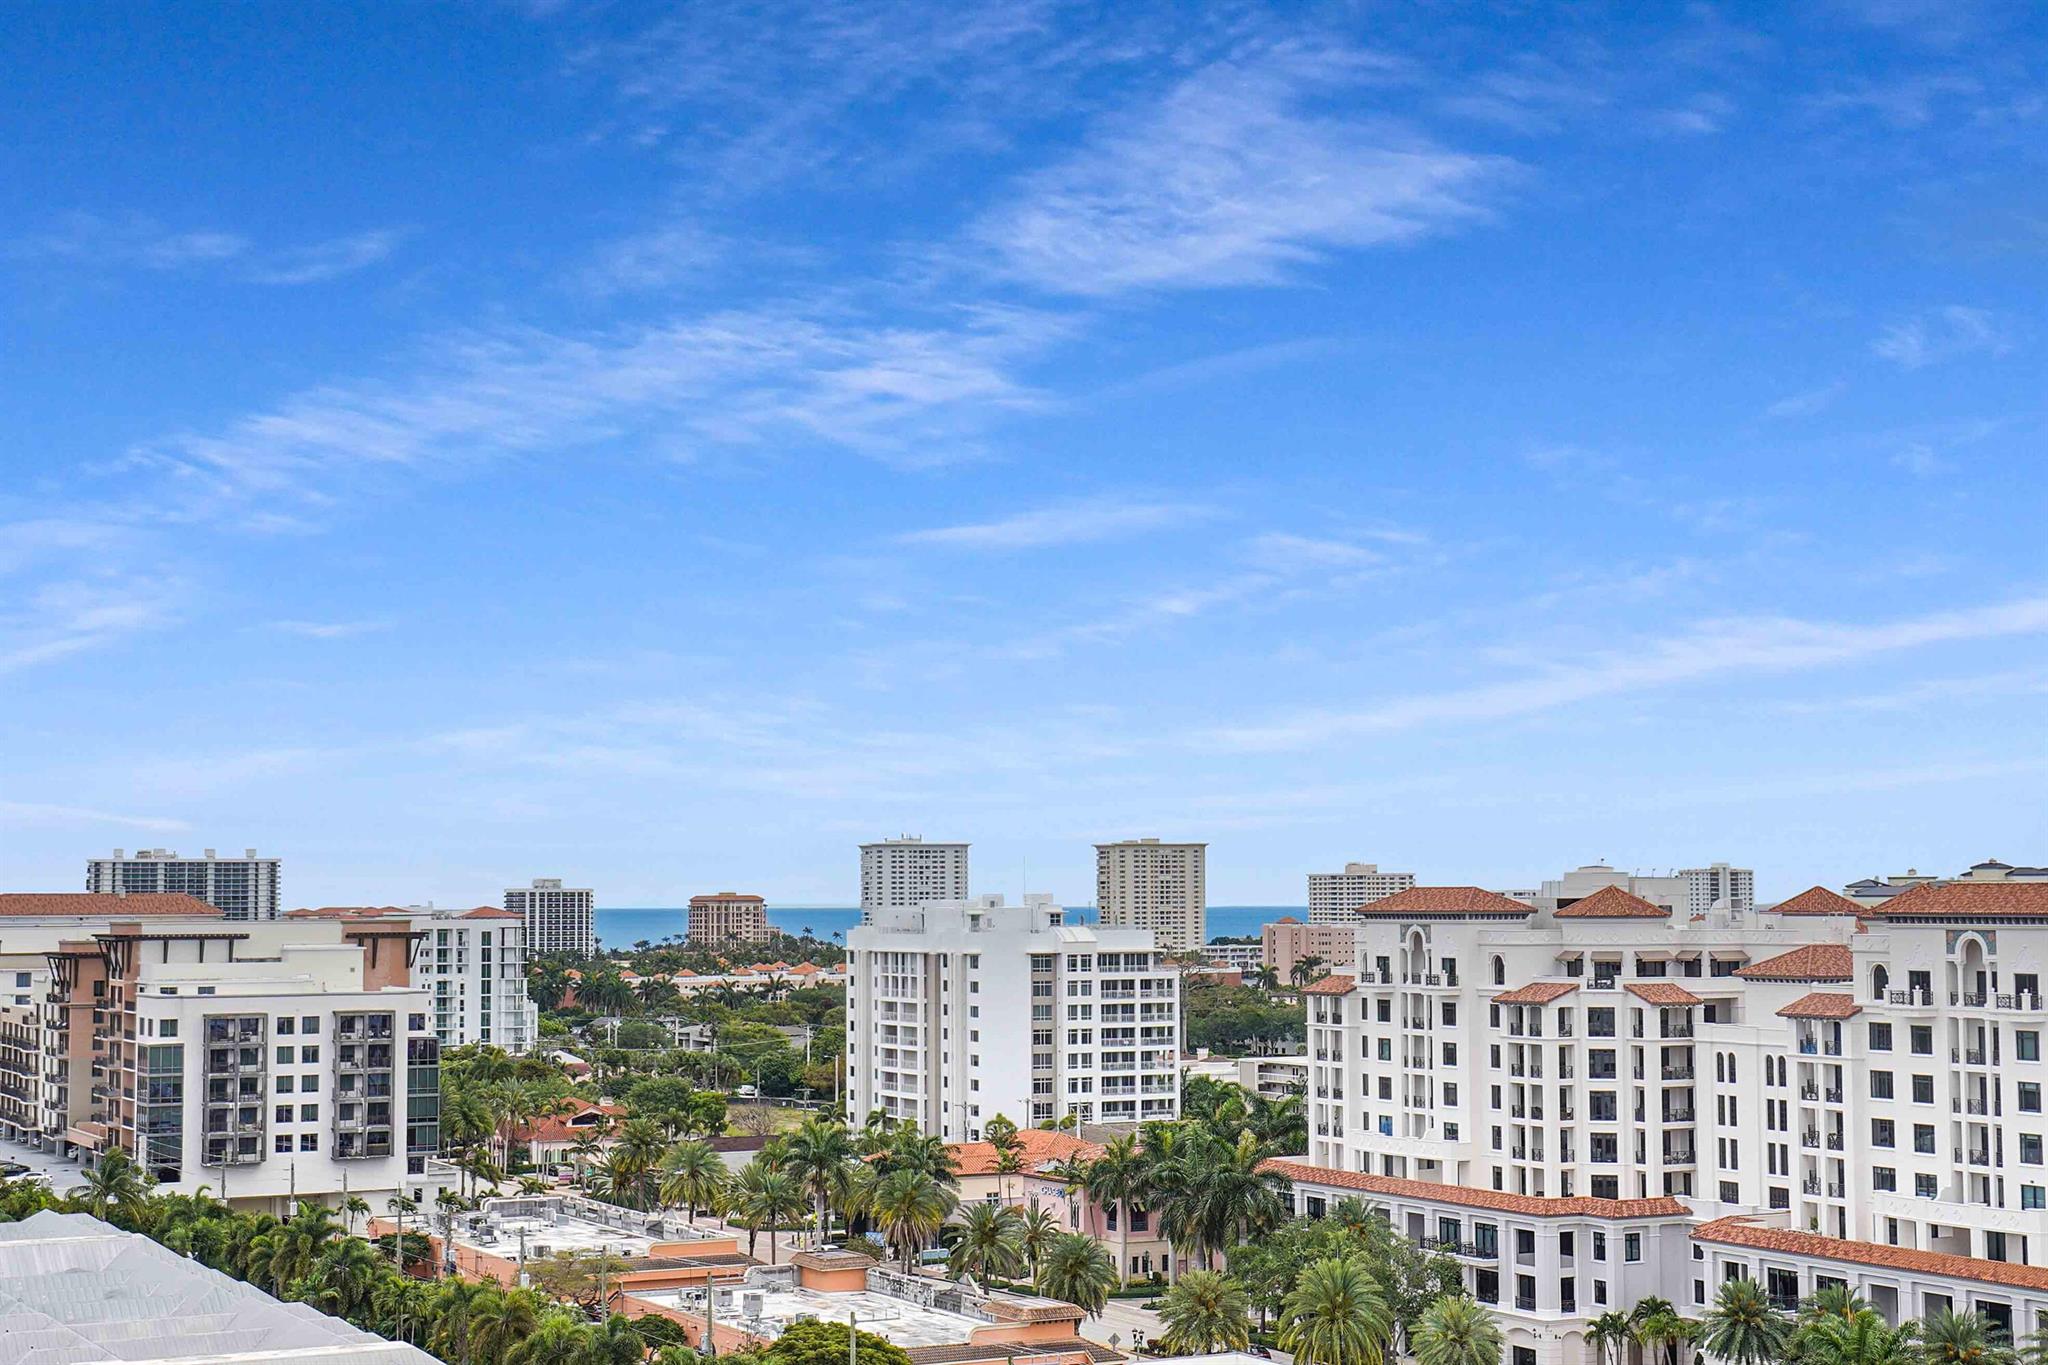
2026,1045
1880,1037
1922,1036
1923,1090
309,1054
1884,1178
1450,1054
284,1055
1632,1246
309,1113
309,1142
284,1085
169,1029
1599,1246
2033,1197
1880,1085
1881,1133
1923,1137
2030,1097
284,1113
2030,1149
309,1023
1923,1186
284,1026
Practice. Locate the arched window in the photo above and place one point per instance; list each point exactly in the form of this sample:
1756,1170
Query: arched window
1500,970
1880,981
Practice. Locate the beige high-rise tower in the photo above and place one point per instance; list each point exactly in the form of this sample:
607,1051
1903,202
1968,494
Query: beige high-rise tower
1146,884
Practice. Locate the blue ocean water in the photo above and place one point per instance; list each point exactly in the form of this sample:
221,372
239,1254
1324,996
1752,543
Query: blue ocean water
624,926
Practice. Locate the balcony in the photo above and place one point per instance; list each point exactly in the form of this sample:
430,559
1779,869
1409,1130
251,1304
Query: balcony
1677,1073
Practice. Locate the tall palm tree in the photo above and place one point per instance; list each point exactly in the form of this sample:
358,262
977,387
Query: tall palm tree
691,1175
1076,1268
1607,1335
820,1157
615,1341
1665,1332
989,1243
1861,1338
1117,1180
1039,1229
352,1208
1951,1338
1336,1315
1456,1330
1831,1300
909,1206
453,1316
766,1197
1742,1328
558,1340
1205,1313
115,1189
346,1273
501,1319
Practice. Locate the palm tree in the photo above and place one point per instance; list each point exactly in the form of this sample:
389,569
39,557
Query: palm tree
1860,1338
1607,1334
765,1197
1305,969
820,1157
1742,1328
1455,1330
501,1319
346,1272
1666,1332
989,1243
691,1175
1951,1338
1336,1315
352,1208
559,1340
115,1185
615,1341
1076,1268
1831,1300
453,1314
1205,1313
909,1207
1038,1230
1117,1179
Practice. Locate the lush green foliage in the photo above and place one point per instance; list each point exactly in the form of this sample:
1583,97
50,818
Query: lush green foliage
1231,1021
1204,1313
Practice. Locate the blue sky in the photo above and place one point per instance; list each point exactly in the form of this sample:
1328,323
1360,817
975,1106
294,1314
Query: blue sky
662,446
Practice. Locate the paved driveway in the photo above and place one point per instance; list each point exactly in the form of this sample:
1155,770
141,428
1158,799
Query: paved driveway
62,1175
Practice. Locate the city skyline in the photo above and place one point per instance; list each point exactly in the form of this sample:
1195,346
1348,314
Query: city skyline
667,445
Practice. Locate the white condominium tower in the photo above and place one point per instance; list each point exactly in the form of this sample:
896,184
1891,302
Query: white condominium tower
473,962
1611,1099
1693,890
962,1010
903,873
1332,896
559,919
1144,884
243,888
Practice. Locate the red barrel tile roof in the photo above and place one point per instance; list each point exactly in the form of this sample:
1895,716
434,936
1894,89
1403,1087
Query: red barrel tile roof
1302,1173
1814,962
1611,902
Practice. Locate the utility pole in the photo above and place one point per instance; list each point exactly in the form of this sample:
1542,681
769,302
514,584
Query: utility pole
852,1338
521,1281
710,1347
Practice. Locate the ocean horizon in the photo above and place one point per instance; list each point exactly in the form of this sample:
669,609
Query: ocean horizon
623,926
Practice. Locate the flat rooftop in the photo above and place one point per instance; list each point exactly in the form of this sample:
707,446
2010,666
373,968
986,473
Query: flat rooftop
766,1311
75,1289
552,1223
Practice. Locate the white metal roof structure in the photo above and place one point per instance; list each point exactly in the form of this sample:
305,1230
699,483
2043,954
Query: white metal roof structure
74,1289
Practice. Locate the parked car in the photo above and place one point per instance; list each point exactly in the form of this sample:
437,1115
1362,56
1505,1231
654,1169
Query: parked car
747,1092
9,1170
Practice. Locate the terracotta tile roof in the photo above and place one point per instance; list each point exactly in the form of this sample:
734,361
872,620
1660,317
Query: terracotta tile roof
1421,901
1611,902
1822,1005
1966,900
490,912
1814,962
1537,993
1064,1348
102,905
569,1126
1662,993
1744,1233
1301,1172
1035,1147
1334,984
1817,900
726,897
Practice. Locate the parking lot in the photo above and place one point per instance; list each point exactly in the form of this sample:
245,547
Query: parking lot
61,1175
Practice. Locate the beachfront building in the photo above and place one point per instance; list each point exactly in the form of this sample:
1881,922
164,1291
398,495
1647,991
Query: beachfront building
1287,942
962,1010
1162,888
561,921
728,917
1332,896
240,888
905,872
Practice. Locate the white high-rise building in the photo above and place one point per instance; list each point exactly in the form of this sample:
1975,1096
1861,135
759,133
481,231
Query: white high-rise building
473,962
1693,890
1612,1099
962,1010
559,919
244,888
1333,896
1146,884
261,1062
905,872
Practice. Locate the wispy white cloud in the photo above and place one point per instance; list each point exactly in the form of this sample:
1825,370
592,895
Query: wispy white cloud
1233,178
659,258
59,618
1807,403
1071,523
328,630
325,260
1773,645
43,813
1942,334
